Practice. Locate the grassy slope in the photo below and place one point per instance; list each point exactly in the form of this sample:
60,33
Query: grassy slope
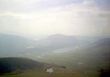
98,56
34,73
92,59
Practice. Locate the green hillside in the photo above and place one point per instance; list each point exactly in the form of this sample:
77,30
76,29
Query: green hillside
18,65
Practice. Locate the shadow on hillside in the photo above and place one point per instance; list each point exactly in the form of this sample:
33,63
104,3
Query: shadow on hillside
104,73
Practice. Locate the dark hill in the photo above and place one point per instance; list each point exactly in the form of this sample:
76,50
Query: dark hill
8,65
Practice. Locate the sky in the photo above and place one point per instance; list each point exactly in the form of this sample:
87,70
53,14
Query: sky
47,17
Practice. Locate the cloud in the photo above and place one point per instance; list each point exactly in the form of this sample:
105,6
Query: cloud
17,5
30,47
89,2
39,5
72,19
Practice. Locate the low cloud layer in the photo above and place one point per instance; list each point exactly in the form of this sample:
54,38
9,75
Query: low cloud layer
46,17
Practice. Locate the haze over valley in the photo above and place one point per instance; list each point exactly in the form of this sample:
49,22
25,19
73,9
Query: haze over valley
54,38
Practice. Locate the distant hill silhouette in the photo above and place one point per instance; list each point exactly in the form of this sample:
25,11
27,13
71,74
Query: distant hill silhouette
13,45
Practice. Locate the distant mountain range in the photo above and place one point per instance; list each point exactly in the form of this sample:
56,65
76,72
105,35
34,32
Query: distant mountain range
12,45
77,52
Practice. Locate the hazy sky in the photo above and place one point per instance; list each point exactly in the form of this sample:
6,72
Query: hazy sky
46,17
